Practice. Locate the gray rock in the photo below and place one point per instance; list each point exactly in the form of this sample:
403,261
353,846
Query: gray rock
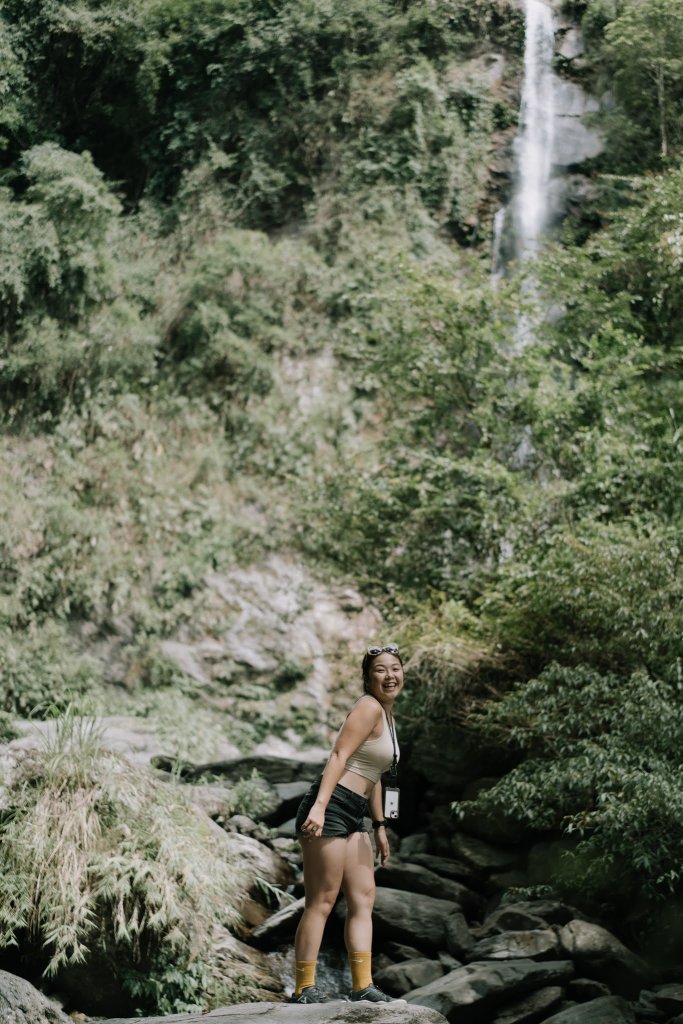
606,1010
414,845
409,917
273,769
401,978
398,952
415,878
508,918
446,867
483,856
550,911
599,954
185,658
469,993
571,44
279,926
669,998
540,944
459,939
531,1008
289,796
264,862
582,990
21,1003
335,1012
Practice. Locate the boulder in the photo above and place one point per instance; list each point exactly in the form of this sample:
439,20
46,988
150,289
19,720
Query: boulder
669,998
398,951
264,863
469,994
550,911
531,1008
288,796
446,867
279,926
459,939
401,978
334,1012
539,944
21,1003
415,878
606,1010
414,845
408,917
599,954
491,827
582,990
482,856
272,769
508,918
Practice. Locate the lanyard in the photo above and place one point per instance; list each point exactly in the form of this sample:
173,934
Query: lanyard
393,770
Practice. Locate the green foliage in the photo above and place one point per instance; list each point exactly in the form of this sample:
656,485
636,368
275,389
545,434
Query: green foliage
41,672
129,870
602,759
604,595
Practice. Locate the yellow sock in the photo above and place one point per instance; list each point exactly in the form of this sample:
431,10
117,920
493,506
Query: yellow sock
304,975
361,970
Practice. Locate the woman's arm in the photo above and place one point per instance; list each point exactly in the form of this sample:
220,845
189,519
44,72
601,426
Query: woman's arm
360,723
377,814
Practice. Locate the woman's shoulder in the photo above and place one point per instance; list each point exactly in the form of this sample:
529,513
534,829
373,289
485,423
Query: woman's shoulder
367,706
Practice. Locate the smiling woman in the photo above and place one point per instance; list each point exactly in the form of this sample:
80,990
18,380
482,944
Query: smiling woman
336,846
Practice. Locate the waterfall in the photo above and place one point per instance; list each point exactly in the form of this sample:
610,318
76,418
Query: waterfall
534,144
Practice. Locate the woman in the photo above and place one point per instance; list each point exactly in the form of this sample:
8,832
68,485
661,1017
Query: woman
336,847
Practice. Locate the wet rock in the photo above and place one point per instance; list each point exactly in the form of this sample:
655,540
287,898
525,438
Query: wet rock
540,944
415,878
468,994
334,1012
401,978
599,954
550,911
409,917
531,1008
606,1010
21,1003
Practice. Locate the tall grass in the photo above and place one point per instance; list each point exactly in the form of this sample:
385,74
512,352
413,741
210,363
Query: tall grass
98,859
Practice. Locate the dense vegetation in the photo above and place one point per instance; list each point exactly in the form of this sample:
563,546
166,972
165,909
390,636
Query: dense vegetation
245,306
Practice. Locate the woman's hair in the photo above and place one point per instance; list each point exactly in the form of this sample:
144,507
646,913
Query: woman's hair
367,665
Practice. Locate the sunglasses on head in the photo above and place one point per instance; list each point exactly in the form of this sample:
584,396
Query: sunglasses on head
389,649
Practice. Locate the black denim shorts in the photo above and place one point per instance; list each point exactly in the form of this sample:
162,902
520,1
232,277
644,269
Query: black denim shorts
343,815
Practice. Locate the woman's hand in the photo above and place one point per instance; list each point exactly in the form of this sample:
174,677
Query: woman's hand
313,825
382,845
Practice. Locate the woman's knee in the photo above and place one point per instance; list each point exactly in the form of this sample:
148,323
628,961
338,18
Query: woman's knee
360,897
322,902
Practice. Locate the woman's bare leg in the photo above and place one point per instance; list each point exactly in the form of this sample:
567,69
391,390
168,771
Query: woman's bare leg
324,861
358,883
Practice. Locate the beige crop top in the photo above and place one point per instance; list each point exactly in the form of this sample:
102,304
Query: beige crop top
373,757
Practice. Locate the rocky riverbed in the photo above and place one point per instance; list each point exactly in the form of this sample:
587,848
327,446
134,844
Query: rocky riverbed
454,937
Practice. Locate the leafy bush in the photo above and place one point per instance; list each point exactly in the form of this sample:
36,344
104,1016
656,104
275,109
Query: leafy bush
601,760
128,870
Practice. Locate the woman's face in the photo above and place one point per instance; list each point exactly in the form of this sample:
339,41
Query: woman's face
386,678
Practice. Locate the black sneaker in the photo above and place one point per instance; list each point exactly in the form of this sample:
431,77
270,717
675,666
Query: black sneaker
312,994
372,994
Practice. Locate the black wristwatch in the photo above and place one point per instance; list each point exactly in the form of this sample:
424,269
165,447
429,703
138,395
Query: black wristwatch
379,824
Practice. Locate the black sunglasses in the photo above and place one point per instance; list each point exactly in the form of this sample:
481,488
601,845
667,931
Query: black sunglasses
389,649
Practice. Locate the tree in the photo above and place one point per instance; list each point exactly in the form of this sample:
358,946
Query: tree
646,44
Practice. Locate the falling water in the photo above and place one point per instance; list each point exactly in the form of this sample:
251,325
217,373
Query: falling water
534,145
